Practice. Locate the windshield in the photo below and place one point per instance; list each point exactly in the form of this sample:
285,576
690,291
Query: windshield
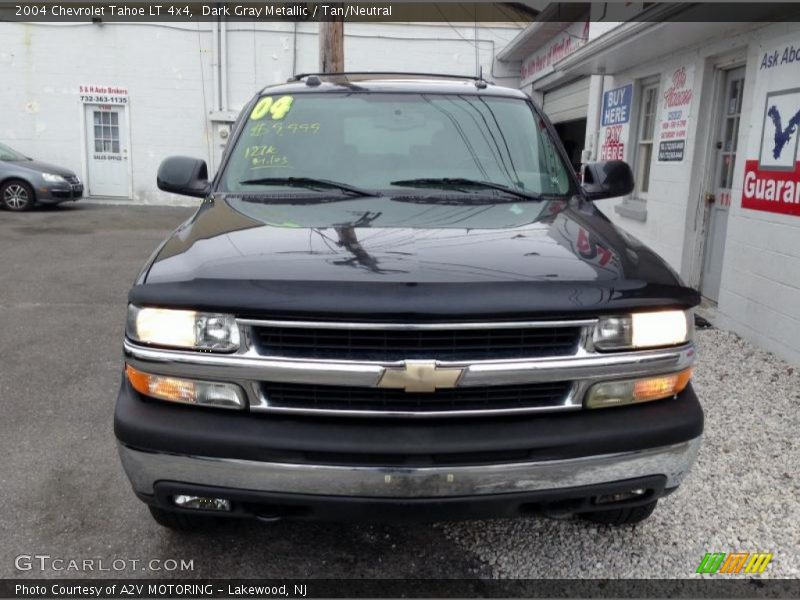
383,142
7,153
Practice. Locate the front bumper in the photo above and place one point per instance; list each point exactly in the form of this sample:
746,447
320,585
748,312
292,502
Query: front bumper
145,469
331,468
56,193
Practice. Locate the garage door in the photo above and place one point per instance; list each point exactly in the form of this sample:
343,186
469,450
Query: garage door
568,102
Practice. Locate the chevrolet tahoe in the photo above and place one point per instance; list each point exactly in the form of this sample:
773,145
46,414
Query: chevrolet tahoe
398,301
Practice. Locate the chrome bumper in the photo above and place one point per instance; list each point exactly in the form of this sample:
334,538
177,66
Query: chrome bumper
144,469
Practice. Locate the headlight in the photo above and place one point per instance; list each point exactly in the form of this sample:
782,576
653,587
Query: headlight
182,329
634,391
53,178
644,330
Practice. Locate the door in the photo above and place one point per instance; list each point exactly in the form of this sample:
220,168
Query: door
568,102
107,150
573,136
720,199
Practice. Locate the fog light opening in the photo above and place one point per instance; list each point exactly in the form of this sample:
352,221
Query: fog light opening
621,496
202,503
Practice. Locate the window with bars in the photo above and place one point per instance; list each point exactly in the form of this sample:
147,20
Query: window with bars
106,131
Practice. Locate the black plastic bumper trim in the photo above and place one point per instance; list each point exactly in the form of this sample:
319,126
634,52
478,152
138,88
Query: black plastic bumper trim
162,427
272,506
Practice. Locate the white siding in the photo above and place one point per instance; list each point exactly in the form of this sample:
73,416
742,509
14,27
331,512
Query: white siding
760,290
167,69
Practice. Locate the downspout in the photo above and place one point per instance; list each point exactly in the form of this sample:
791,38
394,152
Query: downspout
223,57
596,126
294,50
215,63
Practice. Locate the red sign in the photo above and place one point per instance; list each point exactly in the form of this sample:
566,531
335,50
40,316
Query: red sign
572,38
613,147
678,95
771,190
101,89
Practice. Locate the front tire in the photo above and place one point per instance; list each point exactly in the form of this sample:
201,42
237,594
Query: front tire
17,196
621,516
181,521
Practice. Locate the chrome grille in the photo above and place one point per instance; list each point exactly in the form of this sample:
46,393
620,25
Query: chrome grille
496,387
350,343
456,400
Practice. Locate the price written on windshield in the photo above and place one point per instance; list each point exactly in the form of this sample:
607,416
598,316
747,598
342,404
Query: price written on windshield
260,129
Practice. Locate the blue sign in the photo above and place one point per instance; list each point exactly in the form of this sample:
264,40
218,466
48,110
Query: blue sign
617,105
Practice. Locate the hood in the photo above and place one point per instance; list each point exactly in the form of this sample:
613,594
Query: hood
42,167
431,243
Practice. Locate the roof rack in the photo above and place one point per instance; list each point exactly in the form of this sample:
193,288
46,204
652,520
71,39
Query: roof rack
356,75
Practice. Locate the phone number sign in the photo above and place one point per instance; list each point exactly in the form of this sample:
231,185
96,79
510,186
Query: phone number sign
675,107
102,94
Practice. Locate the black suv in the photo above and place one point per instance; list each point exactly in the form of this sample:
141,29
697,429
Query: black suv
396,301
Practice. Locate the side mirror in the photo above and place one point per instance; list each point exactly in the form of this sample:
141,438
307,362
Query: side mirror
183,175
607,179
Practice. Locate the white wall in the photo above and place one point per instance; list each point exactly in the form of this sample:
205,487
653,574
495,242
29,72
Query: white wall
167,69
760,290
669,188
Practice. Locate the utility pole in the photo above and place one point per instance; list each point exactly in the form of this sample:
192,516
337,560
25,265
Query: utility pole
331,45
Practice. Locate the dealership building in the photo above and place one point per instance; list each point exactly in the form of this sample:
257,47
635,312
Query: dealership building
707,115
110,100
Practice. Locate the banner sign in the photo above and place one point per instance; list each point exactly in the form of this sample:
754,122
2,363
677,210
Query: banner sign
772,171
675,107
615,119
103,94
561,46
617,105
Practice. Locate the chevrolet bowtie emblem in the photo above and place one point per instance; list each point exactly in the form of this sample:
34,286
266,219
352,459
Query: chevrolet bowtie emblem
419,376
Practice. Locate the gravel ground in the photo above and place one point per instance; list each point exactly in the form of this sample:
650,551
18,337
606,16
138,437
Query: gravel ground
742,494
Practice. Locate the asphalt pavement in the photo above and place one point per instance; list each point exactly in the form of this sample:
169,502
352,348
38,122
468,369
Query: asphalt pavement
64,277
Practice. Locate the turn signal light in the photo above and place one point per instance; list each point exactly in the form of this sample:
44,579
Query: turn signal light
634,391
186,391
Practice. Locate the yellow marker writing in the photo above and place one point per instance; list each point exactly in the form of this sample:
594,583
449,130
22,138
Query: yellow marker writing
277,109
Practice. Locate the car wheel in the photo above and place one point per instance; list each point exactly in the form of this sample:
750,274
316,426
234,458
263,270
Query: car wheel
621,516
181,521
17,195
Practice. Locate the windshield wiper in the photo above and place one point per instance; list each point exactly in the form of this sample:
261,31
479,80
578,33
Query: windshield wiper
310,183
457,182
